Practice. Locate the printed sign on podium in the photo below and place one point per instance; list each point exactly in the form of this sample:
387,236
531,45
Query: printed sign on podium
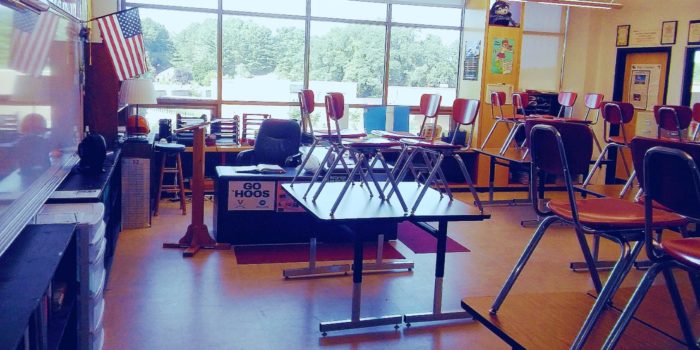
251,195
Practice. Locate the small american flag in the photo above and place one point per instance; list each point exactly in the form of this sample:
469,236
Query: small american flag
121,32
32,37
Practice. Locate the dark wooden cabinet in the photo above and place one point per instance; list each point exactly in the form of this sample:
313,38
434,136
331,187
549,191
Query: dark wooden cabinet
101,93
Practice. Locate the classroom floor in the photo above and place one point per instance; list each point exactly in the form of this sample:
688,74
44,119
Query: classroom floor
156,299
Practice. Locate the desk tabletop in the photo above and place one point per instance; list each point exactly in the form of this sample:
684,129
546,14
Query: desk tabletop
511,154
357,205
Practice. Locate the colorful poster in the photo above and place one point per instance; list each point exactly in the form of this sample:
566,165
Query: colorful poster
285,203
471,60
502,58
639,88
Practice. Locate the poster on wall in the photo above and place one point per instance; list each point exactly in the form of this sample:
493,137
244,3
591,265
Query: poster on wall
472,52
251,195
639,88
502,58
644,85
504,13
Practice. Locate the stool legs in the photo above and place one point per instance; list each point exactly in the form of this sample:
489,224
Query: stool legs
178,188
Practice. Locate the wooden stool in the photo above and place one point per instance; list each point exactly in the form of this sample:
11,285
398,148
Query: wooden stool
178,186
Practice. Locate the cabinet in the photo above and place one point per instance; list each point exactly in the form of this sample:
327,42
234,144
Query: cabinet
39,288
542,103
91,248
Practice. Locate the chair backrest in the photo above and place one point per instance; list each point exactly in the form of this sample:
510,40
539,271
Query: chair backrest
306,107
335,110
672,180
672,118
566,99
696,112
593,102
561,149
430,104
520,101
277,140
617,112
640,145
464,112
498,99
429,107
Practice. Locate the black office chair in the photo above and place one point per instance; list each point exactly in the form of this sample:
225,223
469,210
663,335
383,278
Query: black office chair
277,143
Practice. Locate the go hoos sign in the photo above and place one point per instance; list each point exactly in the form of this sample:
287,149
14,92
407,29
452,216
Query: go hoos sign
251,195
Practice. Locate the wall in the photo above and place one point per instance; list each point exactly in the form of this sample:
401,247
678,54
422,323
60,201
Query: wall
101,8
591,51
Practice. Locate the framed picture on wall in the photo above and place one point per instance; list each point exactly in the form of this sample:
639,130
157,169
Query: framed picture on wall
694,33
668,32
623,35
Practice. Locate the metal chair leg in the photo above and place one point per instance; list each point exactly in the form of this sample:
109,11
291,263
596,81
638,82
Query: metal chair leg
596,166
529,249
632,307
469,181
303,162
488,136
628,184
682,315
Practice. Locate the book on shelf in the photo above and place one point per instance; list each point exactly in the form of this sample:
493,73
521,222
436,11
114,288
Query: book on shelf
260,169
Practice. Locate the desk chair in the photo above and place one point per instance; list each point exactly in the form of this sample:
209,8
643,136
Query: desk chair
277,143
520,101
564,150
433,152
566,101
429,107
498,99
671,179
614,113
696,119
673,119
669,118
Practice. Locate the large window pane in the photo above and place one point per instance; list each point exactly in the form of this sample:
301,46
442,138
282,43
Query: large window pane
347,58
348,9
263,58
287,7
277,112
422,61
181,52
543,18
539,63
208,4
426,15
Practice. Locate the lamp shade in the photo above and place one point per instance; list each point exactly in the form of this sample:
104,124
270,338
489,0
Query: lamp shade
137,92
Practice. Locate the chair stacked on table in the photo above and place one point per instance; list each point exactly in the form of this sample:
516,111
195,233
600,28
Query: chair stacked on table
564,150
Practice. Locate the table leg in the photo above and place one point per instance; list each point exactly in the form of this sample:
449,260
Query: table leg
437,314
355,321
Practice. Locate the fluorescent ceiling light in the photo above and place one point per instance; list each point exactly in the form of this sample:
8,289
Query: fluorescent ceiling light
578,3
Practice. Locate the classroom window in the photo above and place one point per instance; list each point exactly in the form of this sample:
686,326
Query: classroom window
262,58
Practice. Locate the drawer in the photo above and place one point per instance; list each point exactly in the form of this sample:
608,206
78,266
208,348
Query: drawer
97,250
96,313
97,339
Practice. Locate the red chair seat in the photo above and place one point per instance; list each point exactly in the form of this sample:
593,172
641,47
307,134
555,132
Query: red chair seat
373,143
430,144
686,250
610,213
396,135
617,139
343,134
578,120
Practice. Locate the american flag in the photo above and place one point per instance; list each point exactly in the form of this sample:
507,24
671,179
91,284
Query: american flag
121,32
31,40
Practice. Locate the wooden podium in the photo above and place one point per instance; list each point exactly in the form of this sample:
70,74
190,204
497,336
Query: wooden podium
197,235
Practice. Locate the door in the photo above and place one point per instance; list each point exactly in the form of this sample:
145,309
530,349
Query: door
644,85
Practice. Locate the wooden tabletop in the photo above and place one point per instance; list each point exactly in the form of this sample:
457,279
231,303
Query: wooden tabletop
357,205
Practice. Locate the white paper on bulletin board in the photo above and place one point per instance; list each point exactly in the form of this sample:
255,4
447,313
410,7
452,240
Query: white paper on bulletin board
251,195
644,85
507,88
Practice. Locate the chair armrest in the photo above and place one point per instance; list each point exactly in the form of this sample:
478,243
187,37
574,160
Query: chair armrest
246,157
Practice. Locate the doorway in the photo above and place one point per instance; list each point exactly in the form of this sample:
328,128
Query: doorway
641,78
691,77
